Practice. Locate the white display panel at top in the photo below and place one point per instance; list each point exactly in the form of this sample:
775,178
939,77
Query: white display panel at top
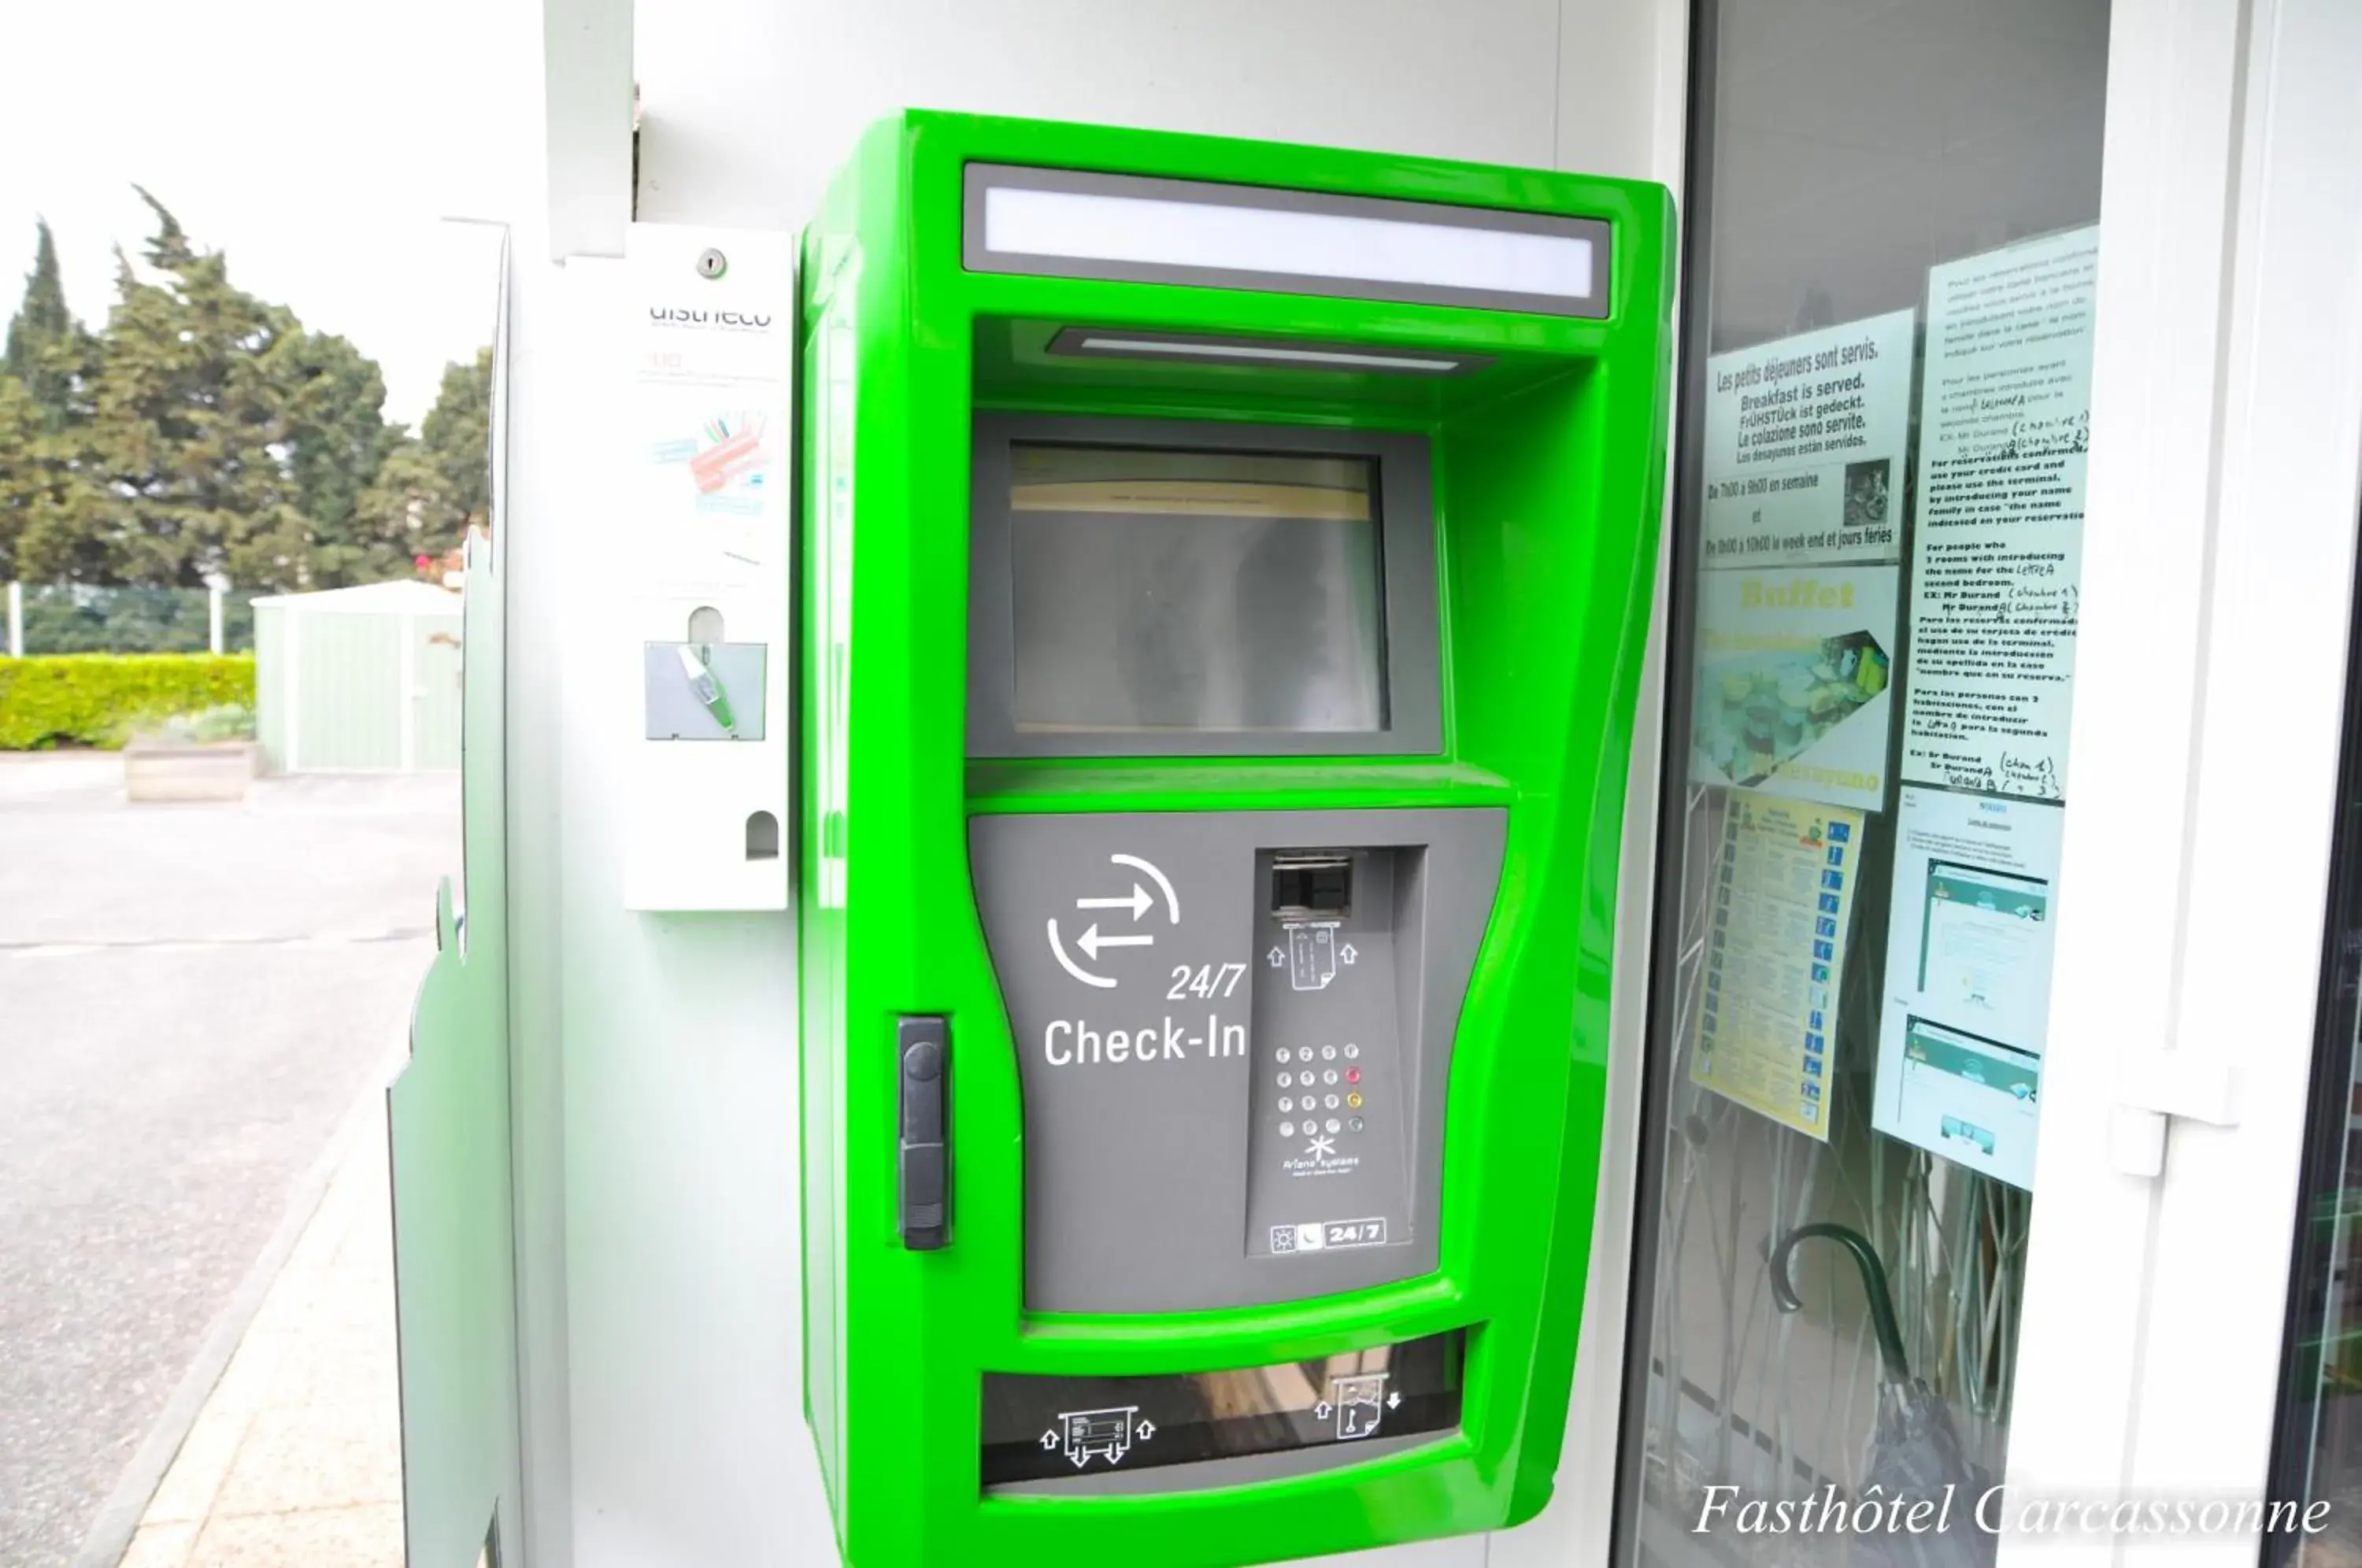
1082,224
1301,244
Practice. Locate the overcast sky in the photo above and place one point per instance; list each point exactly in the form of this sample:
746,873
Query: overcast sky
317,141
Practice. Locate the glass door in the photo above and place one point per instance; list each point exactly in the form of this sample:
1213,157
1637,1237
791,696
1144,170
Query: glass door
1879,504
1994,847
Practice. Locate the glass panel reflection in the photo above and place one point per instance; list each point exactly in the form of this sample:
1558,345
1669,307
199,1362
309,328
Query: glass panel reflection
2317,1450
1176,590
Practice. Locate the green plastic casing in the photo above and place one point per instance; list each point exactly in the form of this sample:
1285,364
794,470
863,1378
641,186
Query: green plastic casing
1548,471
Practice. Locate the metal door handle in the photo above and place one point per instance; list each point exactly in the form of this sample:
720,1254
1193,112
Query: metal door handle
923,1044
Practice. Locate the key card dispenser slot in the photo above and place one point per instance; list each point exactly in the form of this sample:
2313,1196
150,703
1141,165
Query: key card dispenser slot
925,1043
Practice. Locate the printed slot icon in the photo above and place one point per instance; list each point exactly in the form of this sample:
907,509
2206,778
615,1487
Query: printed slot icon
1312,956
1360,1403
1108,1434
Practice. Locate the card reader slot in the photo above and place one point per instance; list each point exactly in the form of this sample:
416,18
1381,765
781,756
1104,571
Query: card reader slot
1312,884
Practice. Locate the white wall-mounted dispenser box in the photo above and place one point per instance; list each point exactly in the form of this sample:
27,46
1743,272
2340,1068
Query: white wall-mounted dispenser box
707,441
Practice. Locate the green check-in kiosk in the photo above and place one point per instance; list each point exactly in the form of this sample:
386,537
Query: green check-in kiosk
1223,576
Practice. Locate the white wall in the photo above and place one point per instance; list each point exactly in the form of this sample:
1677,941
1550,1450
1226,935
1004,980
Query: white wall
746,131
656,1163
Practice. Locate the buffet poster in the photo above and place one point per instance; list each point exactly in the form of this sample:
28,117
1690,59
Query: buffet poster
1792,670
1805,441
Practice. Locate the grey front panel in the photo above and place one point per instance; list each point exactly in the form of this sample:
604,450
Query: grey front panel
1158,998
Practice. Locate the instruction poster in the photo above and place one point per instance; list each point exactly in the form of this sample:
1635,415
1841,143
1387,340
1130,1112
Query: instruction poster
1775,957
1804,442
1792,670
1967,977
2005,415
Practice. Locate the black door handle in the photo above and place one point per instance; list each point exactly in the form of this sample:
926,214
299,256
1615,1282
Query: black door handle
924,1045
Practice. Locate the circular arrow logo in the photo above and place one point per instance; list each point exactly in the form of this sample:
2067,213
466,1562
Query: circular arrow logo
1135,904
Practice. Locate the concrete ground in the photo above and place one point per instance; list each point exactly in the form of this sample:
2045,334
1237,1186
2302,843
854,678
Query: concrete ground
296,1459
191,998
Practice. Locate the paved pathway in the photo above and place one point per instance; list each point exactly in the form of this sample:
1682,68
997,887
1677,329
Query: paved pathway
296,1459
191,999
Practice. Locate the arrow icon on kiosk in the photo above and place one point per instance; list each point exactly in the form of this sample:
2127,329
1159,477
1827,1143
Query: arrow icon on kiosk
1090,942
1137,903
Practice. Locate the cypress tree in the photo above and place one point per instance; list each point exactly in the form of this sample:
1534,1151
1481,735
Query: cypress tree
43,337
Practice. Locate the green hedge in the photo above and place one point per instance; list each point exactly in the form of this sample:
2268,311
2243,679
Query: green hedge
96,699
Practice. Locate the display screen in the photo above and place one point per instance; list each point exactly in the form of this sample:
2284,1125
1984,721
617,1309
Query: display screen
1049,1429
1168,590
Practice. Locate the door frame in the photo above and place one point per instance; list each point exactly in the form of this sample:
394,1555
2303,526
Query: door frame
2226,441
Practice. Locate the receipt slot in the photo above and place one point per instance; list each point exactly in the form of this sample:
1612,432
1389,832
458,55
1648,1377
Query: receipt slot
1224,577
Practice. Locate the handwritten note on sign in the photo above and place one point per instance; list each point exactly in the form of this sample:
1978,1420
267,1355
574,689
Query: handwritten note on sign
2005,409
